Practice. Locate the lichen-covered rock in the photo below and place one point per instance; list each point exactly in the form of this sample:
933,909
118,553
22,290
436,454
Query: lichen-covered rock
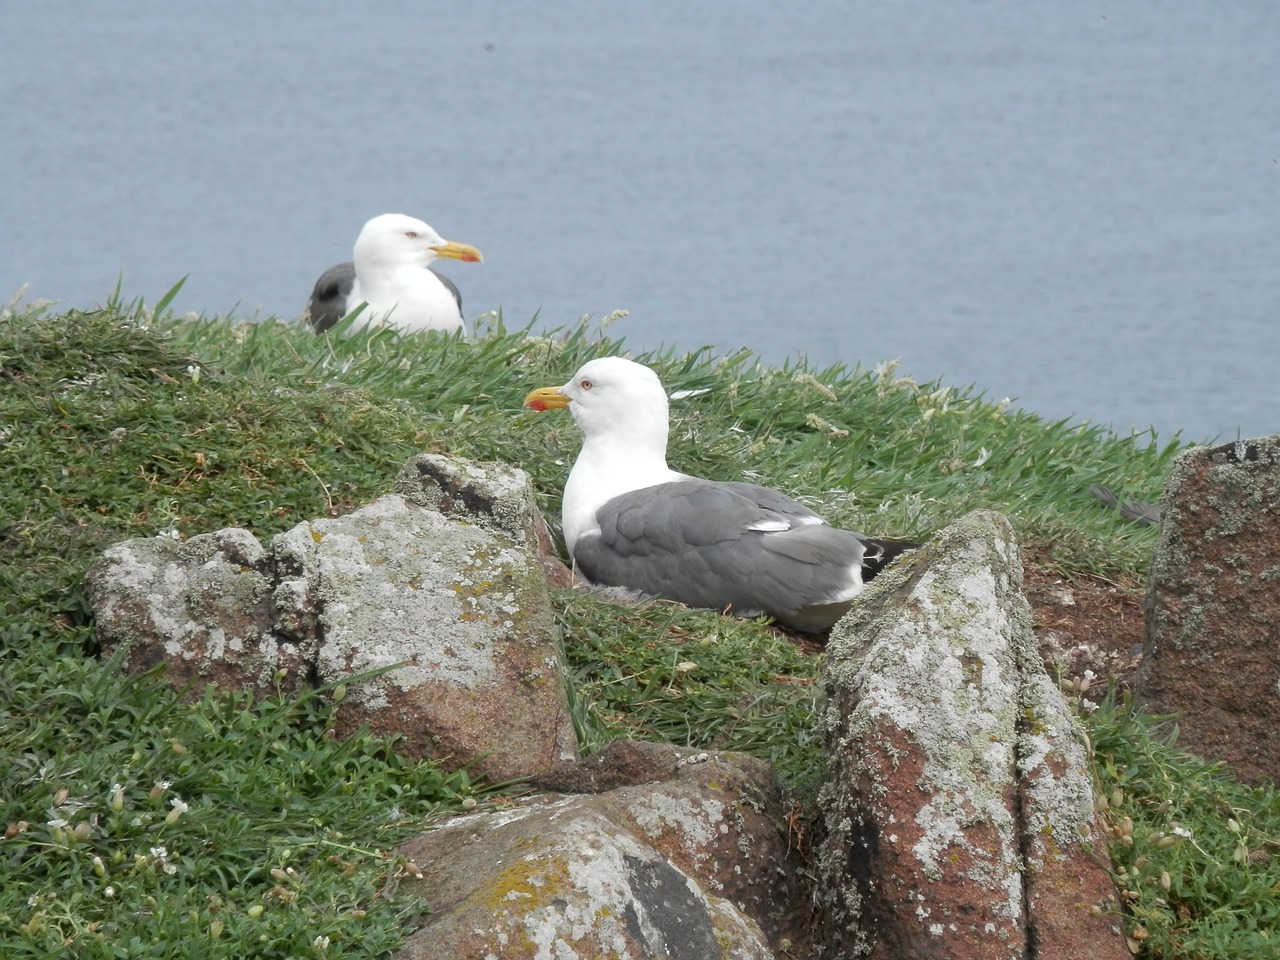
959,806
1212,653
453,616
494,495
696,867
203,606
458,614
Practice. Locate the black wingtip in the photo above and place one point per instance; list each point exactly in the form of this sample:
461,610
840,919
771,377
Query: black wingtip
879,553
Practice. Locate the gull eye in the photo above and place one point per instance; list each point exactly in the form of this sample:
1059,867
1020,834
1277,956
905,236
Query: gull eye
585,384
411,234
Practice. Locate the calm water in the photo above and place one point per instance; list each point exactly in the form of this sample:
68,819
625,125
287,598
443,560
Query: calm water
1076,205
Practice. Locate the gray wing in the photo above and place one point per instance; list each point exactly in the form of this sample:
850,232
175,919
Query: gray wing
328,303
691,541
878,552
1136,510
450,286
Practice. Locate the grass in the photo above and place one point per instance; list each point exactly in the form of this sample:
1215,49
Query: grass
1197,853
116,423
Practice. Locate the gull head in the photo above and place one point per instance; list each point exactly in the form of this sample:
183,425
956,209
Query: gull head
610,396
394,240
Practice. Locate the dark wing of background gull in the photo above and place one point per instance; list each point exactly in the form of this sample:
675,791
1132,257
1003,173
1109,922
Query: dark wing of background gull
328,303
1138,511
691,541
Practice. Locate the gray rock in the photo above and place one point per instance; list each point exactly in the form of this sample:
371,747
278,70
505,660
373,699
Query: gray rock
203,606
452,615
959,806
492,495
1213,604
696,867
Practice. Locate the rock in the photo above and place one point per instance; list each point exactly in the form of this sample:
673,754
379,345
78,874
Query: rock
464,614
695,867
959,805
627,763
493,495
204,606
1212,652
454,613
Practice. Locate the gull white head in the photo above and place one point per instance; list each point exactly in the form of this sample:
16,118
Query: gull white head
612,396
621,408
394,240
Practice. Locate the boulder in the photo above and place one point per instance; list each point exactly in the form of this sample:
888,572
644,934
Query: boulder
1212,651
959,805
449,613
205,607
697,866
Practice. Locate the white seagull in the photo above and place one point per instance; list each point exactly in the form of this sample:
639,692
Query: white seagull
391,272
630,521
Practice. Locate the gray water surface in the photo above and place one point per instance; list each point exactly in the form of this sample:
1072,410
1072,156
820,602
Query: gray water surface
1076,205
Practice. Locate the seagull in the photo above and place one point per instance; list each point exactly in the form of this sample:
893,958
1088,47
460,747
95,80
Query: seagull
630,521
391,272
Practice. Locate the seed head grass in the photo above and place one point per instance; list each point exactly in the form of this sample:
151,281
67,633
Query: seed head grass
135,819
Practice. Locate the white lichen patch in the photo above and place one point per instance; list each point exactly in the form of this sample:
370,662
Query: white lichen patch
185,594
697,819
504,492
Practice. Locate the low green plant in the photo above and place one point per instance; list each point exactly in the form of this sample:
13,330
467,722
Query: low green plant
138,823
1196,853
693,678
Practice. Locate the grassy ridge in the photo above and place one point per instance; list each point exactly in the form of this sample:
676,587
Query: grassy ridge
115,425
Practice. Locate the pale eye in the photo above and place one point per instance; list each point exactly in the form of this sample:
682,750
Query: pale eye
411,234
585,384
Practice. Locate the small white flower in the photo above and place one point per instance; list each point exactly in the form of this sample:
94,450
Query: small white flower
321,943
1182,832
58,824
983,456
158,853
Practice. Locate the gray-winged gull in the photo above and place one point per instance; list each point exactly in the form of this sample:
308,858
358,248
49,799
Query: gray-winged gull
630,521
391,272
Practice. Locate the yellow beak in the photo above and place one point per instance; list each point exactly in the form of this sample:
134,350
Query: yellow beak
458,251
546,398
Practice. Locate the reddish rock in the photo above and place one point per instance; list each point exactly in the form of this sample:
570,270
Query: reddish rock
457,620
1212,653
445,620
623,763
698,866
959,792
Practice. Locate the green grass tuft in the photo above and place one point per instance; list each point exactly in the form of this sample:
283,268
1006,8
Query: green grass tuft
1197,853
